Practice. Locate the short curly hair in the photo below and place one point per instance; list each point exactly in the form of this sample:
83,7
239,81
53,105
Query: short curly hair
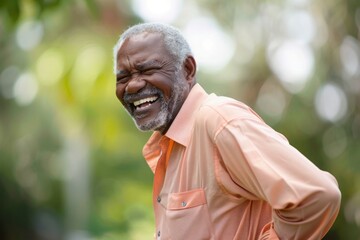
174,41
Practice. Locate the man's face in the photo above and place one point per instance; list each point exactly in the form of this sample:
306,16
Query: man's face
148,83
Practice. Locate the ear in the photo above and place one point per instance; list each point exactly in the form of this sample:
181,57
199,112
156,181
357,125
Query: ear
190,69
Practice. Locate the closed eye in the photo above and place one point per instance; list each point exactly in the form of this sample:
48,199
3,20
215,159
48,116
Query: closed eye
150,71
122,79
149,67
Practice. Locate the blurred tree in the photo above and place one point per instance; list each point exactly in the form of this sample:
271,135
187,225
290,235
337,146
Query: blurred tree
14,10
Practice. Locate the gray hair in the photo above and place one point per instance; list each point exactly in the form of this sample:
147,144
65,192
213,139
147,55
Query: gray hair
174,41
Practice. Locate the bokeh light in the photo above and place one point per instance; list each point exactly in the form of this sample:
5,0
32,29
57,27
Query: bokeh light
292,62
299,25
331,103
212,47
50,67
157,10
25,89
88,65
29,34
350,61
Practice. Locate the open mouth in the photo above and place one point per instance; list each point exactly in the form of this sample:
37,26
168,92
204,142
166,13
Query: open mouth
145,102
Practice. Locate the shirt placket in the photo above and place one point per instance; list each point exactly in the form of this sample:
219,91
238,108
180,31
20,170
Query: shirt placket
160,171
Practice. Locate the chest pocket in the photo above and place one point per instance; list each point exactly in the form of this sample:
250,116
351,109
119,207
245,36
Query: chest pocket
188,217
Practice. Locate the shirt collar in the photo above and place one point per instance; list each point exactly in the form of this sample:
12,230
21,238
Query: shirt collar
180,129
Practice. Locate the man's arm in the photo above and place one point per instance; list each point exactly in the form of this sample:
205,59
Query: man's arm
305,200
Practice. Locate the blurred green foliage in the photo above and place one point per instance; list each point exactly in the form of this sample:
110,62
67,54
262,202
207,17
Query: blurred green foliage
70,156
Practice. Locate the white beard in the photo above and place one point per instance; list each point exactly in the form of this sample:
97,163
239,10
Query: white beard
166,113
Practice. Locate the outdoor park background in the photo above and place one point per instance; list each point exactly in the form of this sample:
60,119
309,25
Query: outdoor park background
70,156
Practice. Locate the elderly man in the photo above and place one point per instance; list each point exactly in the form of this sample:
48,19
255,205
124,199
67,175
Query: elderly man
220,171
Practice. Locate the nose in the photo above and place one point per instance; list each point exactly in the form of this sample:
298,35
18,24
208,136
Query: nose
135,84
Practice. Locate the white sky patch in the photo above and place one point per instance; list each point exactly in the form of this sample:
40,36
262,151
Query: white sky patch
212,47
331,103
25,89
157,10
292,62
29,34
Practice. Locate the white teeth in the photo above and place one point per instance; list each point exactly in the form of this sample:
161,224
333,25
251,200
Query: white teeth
144,100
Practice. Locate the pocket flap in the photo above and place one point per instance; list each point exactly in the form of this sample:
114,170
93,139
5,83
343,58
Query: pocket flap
189,199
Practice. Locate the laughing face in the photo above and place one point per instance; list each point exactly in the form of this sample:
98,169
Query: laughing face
148,82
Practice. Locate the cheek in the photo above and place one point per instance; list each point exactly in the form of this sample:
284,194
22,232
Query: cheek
164,85
120,92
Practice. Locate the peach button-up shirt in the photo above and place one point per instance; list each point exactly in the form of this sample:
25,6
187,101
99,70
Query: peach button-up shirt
222,173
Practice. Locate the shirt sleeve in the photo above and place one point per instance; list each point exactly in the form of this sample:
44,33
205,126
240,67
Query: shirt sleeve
305,200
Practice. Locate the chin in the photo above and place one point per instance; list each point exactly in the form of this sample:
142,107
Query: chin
151,126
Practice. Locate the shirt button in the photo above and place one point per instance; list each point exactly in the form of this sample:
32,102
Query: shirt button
158,199
158,234
183,204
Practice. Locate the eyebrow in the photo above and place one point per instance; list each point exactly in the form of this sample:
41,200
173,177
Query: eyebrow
147,64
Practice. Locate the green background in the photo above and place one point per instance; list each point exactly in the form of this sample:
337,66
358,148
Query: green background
70,156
